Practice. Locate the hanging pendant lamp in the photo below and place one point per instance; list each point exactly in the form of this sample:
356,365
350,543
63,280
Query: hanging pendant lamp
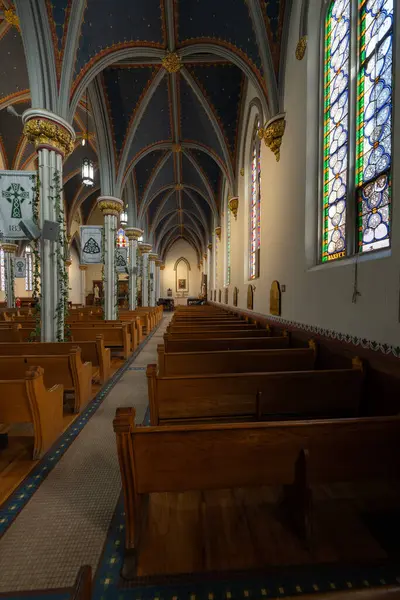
87,164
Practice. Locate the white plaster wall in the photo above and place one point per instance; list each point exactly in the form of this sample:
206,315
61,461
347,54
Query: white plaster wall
315,295
181,248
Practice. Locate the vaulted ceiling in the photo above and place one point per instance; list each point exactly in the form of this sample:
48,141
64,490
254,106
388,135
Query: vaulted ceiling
166,81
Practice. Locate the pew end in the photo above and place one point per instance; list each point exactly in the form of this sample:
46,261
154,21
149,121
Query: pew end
135,504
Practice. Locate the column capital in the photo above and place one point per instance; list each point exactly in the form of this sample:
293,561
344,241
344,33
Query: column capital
205,256
47,130
10,248
83,267
133,233
153,256
109,205
145,248
209,246
162,267
68,262
218,232
158,262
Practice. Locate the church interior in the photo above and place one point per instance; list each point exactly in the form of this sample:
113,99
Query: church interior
199,299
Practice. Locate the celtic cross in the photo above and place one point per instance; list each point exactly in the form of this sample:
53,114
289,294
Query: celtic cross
15,194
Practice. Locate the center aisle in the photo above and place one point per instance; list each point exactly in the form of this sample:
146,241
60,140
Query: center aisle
65,523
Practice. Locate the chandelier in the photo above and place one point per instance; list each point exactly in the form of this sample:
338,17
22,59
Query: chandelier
87,164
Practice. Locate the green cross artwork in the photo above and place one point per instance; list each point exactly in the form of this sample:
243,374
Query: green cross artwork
15,195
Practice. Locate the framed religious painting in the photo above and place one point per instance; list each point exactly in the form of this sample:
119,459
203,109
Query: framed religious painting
181,284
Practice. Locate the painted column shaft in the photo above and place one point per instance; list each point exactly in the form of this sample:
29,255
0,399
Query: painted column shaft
145,280
54,139
83,269
9,253
132,273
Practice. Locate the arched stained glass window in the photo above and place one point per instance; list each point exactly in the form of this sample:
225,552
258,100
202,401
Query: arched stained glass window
29,269
374,123
357,193
255,207
336,128
122,240
2,271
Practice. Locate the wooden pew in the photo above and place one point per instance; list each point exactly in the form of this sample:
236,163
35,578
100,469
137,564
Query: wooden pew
81,590
283,394
65,369
189,329
25,399
210,333
11,334
131,326
235,361
94,352
237,455
116,336
214,344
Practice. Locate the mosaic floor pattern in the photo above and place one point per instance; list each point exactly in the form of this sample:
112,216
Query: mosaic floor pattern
65,522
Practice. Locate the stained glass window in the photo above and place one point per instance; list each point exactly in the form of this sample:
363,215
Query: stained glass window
336,129
29,269
255,207
2,271
122,240
374,123
367,184
228,247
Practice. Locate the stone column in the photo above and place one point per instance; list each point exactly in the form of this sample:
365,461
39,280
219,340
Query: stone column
158,286
111,208
209,268
9,254
145,249
83,269
54,141
162,269
133,234
152,258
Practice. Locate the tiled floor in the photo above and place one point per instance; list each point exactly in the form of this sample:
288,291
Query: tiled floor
65,523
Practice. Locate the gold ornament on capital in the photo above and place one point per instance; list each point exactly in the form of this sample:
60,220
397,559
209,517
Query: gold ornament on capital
10,248
110,207
273,134
172,62
233,205
301,47
42,132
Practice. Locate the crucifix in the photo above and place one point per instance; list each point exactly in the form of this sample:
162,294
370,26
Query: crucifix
15,195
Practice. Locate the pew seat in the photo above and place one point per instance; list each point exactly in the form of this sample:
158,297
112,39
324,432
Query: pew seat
91,351
27,399
81,590
230,396
66,369
238,455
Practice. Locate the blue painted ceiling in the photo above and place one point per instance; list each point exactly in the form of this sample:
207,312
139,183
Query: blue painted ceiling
59,11
11,131
144,169
13,71
222,84
124,88
227,20
119,22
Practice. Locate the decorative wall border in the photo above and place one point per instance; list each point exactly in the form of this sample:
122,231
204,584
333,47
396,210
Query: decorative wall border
321,331
16,502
